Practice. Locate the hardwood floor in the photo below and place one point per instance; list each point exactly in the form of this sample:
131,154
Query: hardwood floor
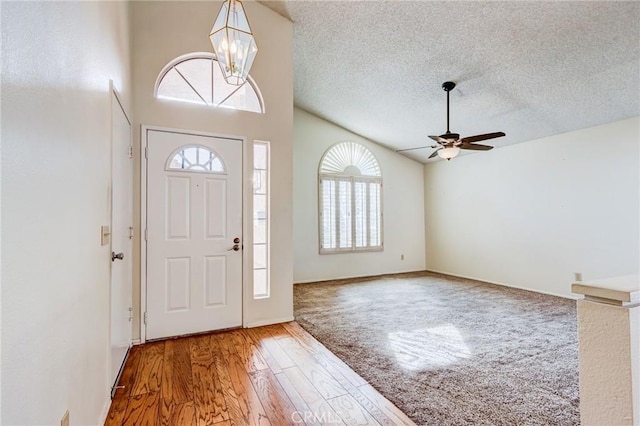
273,375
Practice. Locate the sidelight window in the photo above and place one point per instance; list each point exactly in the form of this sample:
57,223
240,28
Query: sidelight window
261,217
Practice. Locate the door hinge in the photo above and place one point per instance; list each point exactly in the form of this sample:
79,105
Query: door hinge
146,234
130,151
131,232
145,318
146,152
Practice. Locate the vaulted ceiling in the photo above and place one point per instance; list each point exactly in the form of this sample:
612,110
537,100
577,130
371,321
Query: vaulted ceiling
529,69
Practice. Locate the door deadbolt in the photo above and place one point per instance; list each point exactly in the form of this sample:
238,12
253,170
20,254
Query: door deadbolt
115,256
236,240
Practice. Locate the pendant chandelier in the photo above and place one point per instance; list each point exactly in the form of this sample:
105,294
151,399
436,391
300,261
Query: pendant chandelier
233,42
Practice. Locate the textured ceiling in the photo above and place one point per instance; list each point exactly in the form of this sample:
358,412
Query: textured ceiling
529,69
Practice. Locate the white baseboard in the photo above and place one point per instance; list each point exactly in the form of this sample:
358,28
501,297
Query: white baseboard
357,276
268,322
564,296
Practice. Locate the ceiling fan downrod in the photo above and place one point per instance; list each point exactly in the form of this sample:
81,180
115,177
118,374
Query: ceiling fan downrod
448,86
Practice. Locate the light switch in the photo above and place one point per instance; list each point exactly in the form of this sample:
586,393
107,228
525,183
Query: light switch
105,235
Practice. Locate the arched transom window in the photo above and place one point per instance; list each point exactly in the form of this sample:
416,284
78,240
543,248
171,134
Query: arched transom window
350,199
197,78
196,158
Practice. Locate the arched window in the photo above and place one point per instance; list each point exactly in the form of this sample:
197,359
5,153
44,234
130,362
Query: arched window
350,199
196,158
197,78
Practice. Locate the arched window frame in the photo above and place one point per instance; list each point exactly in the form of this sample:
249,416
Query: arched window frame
340,174
195,170
209,56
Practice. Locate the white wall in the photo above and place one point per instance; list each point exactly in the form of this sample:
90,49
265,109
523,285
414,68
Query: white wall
57,59
530,215
163,31
403,208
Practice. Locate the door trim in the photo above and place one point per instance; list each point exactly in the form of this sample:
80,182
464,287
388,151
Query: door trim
144,141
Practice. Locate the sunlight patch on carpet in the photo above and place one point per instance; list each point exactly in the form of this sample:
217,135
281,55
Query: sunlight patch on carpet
428,348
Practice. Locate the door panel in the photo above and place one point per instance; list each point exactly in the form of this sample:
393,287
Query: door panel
121,234
177,282
178,208
194,212
216,214
215,276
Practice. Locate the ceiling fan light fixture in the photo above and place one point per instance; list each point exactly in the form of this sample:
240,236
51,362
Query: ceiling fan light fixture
449,153
233,42
449,144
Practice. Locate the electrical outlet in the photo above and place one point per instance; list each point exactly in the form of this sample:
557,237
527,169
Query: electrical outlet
577,276
402,257
65,419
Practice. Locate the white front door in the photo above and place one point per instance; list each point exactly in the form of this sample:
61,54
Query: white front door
121,235
194,240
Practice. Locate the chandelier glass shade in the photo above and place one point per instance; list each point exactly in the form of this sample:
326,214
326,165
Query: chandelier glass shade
233,42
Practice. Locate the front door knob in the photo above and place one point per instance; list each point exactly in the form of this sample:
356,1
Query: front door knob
115,256
235,247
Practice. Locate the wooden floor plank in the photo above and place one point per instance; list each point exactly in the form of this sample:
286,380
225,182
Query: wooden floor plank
315,373
142,410
304,338
248,351
119,403
275,330
275,350
128,376
250,405
177,380
228,391
279,408
223,343
338,374
371,408
183,414
319,409
351,412
114,418
210,405
149,373
277,374
390,410
331,362
264,351
302,409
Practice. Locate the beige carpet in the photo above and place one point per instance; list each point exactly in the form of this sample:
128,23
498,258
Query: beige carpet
451,351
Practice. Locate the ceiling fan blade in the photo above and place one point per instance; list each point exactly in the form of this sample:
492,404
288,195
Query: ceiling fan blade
434,153
475,147
411,149
438,139
478,138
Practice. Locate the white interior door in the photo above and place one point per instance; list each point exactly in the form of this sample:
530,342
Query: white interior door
121,235
194,233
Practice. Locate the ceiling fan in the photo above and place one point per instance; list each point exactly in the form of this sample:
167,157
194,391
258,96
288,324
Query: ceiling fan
449,144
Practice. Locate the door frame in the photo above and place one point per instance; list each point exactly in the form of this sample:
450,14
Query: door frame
246,240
